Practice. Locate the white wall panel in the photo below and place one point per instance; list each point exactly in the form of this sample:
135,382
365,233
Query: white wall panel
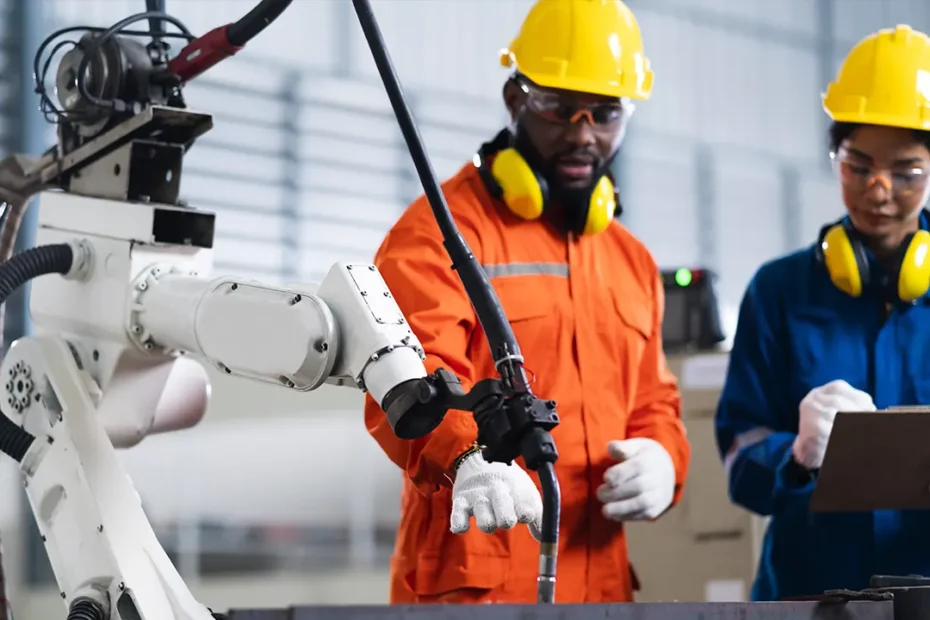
729,88
219,194
236,162
456,42
732,88
659,197
670,44
254,225
348,207
249,258
790,113
382,183
750,226
295,469
758,95
913,12
789,15
855,19
822,202
344,235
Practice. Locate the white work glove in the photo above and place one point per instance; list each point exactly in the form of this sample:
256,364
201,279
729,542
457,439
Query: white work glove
496,494
641,486
816,414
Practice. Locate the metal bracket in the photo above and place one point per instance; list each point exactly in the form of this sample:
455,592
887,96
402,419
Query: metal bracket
140,171
168,126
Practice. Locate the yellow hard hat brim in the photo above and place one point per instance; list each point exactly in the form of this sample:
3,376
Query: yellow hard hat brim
872,118
641,92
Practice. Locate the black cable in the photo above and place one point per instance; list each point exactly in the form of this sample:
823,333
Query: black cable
156,25
549,545
86,609
20,269
256,20
483,298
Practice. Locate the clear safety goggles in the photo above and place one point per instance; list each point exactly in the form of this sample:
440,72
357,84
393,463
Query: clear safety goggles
564,109
901,181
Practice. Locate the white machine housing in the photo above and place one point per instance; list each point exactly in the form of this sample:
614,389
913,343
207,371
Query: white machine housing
108,367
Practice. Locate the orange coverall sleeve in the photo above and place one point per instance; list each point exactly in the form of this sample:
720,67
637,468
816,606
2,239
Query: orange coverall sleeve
657,405
417,269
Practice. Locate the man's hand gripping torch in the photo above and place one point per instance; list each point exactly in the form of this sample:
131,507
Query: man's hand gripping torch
511,420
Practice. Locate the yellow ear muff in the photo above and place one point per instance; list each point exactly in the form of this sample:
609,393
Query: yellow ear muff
602,207
840,260
521,191
914,275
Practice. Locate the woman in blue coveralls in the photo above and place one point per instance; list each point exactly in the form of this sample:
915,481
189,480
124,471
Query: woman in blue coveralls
836,326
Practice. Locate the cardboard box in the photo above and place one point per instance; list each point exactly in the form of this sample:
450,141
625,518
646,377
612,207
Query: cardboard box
706,548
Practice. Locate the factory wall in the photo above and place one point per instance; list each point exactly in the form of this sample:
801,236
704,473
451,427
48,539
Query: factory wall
724,167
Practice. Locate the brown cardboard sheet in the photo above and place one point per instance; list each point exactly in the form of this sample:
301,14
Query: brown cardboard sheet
876,461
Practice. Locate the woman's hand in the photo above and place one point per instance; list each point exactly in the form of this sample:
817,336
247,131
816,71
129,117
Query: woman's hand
817,412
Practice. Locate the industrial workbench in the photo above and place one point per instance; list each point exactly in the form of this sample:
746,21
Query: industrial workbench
888,598
855,610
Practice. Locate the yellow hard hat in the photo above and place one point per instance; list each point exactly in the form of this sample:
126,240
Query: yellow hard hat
589,46
885,80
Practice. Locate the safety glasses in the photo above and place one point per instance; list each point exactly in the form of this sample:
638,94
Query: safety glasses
901,181
564,108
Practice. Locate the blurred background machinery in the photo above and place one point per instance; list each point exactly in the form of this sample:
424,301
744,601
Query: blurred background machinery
723,169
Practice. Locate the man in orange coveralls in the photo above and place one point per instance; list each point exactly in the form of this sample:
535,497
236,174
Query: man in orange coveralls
585,301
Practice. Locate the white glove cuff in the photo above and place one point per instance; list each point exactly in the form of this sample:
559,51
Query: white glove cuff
797,453
469,462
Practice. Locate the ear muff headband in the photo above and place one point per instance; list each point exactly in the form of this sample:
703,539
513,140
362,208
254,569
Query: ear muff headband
526,193
842,252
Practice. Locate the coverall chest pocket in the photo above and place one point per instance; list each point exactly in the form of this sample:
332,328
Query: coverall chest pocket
536,320
626,331
825,347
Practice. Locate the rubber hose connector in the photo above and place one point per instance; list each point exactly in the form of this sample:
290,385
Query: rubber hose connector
20,269
86,609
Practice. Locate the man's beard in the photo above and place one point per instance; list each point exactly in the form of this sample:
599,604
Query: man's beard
568,206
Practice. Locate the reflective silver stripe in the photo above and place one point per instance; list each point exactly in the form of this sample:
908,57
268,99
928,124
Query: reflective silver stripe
744,440
526,269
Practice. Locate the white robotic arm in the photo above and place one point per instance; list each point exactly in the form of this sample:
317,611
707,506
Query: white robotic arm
111,332
349,331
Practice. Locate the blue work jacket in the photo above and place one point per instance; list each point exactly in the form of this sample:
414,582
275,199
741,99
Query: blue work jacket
796,332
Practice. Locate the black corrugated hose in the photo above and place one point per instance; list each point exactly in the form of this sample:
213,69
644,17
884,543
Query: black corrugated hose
20,269
86,609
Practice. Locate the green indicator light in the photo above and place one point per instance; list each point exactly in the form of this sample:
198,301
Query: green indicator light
683,277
